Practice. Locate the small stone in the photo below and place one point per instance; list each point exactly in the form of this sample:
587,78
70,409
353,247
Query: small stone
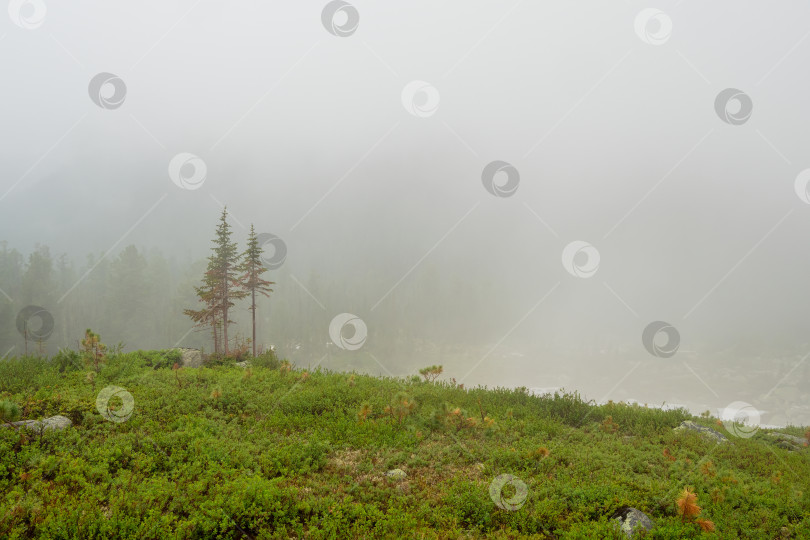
631,519
243,364
396,473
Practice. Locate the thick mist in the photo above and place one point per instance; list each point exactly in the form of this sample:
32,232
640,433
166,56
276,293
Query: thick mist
610,120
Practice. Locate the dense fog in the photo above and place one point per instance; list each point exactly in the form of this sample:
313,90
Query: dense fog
364,143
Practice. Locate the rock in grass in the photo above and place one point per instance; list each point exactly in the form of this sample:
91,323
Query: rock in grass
57,423
190,357
706,431
243,364
789,446
25,423
631,520
396,473
787,441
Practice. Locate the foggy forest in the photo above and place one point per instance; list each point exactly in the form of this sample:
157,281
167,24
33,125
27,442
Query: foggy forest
404,270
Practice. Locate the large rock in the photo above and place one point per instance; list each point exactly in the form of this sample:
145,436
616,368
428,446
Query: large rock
54,423
705,431
57,422
787,441
631,520
191,358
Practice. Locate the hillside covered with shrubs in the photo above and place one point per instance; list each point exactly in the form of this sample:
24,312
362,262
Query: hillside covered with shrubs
269,450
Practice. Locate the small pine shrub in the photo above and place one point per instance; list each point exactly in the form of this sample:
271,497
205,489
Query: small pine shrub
431,373
9,412
92,349
266,359
609,426
365,410
688,510
67,360
402,406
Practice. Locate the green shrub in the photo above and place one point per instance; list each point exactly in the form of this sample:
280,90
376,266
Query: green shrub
9,411
267,359
161,359
67,360
473,507
26,372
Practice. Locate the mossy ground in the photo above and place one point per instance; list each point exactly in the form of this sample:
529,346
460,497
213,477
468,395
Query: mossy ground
224,452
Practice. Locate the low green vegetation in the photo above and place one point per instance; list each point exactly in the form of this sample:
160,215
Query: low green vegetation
271,451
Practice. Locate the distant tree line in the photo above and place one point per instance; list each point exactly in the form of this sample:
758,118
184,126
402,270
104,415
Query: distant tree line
138,298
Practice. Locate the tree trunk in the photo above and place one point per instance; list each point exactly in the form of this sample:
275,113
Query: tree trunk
225,312
253,309
215,331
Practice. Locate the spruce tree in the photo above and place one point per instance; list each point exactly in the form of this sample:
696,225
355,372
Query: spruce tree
220,286
226,262
251,280
209,294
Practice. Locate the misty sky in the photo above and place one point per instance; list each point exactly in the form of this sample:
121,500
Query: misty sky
617,142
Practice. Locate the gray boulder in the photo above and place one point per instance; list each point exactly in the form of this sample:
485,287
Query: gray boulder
53,423
26,423
631,519
705,431
787,441
57,422
191,358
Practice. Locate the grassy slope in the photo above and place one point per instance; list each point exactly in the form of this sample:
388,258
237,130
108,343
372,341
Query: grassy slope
222,452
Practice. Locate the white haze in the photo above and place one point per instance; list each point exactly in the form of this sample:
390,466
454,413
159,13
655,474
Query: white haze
304,134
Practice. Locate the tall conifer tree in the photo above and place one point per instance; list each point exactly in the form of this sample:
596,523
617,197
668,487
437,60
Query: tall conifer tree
226,262
209,294
221,284
251,280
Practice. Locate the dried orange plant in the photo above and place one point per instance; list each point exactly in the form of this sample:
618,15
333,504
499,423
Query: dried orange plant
688,509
